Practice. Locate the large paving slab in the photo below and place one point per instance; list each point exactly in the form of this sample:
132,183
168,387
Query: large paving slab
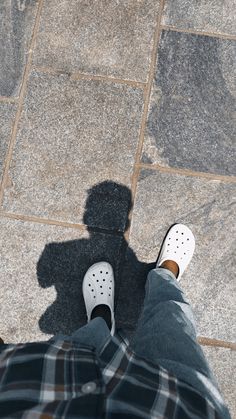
103,37
191,121
74,135
209,16
41,273
207,207
7,113
223,364
16,26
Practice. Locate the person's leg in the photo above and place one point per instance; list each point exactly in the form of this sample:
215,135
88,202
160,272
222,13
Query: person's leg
95,333
166,334
167,320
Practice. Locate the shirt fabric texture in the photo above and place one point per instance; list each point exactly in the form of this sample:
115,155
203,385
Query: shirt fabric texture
61,379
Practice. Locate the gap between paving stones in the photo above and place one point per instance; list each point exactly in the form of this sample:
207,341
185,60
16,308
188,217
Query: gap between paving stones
187,172
135,175
6,99
20,103
46,221
204,341
84,76
196,32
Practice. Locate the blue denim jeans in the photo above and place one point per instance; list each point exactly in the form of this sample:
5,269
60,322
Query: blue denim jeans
165,334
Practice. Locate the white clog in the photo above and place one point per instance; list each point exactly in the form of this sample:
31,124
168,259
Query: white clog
98,288
178,246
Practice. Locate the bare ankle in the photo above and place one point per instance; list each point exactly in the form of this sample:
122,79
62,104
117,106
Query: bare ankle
171,266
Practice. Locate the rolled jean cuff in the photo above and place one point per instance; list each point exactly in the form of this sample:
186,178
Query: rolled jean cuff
165,273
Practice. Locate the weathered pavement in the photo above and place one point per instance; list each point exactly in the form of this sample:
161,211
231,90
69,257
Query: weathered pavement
100,103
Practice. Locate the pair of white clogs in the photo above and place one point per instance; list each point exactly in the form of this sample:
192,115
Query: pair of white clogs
98,283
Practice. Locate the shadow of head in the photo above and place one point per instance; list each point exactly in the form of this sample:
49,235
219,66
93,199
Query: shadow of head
107,206
64,264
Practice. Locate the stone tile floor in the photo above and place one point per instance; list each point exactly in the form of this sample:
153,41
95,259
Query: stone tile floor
117,120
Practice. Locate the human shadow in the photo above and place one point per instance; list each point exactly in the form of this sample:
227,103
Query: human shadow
63,265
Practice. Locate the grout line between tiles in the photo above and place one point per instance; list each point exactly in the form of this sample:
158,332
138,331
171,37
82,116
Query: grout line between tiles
204,341
186,172
20,102
39,220
196,32
83,76
5,99
147,93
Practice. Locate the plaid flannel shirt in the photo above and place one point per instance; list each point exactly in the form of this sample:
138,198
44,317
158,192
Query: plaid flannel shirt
60,379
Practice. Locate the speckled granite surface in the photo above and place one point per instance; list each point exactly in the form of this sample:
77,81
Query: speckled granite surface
120,102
